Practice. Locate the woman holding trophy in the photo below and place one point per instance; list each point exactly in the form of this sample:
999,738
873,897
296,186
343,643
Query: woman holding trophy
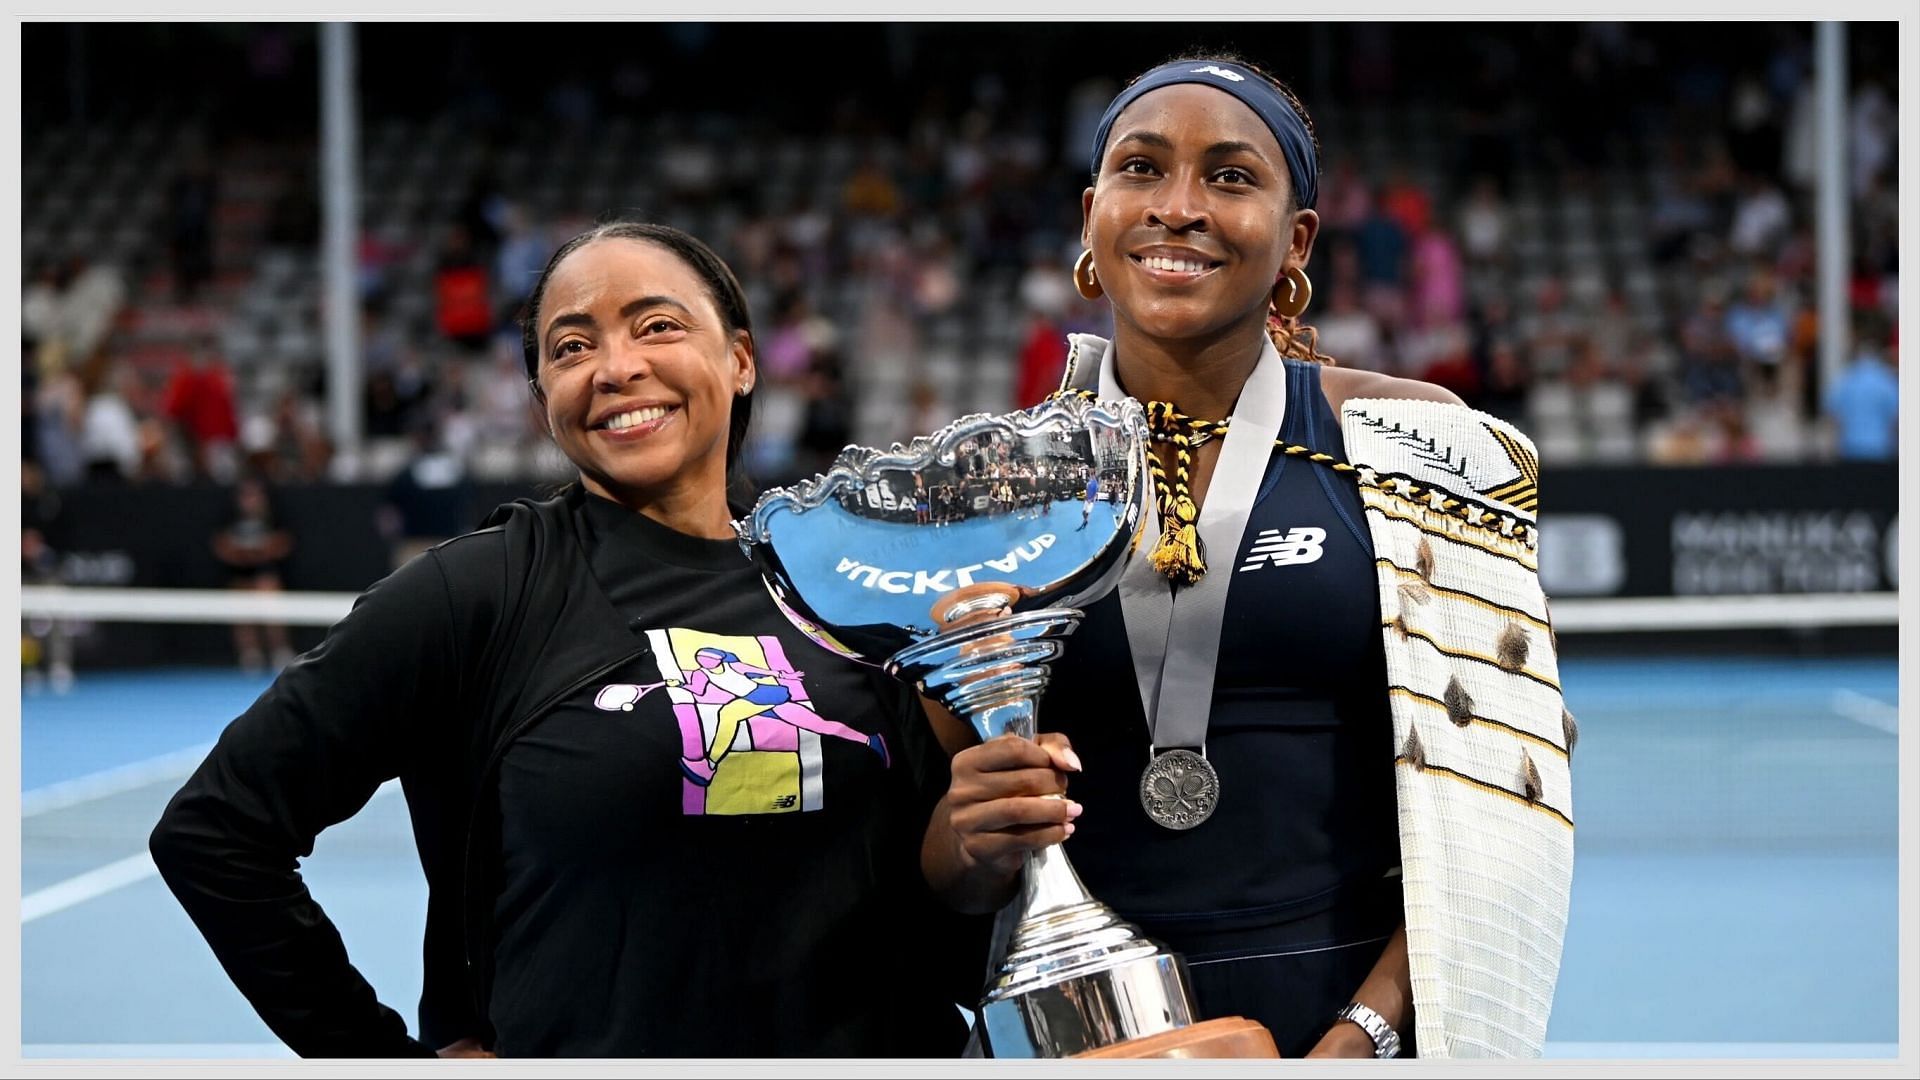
653,819
1315,735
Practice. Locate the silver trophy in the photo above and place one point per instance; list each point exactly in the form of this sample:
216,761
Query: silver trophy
960,562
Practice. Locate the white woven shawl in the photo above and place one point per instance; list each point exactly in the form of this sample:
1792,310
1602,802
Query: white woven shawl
1480,731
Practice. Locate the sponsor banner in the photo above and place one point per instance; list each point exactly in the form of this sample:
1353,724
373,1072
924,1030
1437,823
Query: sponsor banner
1728,531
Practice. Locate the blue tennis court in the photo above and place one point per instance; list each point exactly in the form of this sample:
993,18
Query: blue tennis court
1735,892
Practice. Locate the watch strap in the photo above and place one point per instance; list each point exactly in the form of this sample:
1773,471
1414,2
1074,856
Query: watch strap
1386,1041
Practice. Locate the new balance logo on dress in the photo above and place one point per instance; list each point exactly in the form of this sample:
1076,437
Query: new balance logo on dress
1296,546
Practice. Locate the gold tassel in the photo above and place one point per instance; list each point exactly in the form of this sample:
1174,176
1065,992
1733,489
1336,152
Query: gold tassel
1178,557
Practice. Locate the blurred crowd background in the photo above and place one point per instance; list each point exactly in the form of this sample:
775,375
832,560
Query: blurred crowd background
1600,231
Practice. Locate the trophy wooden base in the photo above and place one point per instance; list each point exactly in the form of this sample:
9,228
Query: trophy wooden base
1227,1037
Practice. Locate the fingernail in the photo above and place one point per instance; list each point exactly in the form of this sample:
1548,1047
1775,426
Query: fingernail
1073,811
1073,759
1069,828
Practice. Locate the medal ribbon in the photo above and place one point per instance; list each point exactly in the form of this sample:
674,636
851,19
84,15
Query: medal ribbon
1174,633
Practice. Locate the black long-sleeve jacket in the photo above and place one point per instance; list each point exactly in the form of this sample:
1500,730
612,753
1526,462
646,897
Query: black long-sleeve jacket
426,680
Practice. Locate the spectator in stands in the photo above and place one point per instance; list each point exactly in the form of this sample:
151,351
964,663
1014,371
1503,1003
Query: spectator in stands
1735,444
111,444
1351,332
1864,404
463,305
302,451
1484,223
634,885
1383,247
524,247
1406,202
199,400
1042,357
1761,217
1444,357
1346,203
58,404
254,548
799,336
828,427
870,191
1710,365
46,645
1503,391
502,409
1758,327
1873,130
1681,210
430,499
395,396
1438,280
1551,329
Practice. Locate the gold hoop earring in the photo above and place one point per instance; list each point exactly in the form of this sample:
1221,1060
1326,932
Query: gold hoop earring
1299,294
1085,281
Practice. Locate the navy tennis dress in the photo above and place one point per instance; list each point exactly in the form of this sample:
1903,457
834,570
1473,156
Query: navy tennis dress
1282,901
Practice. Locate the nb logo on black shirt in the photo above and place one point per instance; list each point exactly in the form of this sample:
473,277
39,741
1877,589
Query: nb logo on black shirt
1271,548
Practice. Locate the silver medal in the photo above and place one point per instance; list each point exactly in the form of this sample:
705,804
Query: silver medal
1178,789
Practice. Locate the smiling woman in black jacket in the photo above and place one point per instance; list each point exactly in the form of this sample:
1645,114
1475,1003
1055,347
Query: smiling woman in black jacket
606,879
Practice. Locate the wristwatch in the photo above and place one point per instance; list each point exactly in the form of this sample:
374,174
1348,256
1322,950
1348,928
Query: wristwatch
1386,1041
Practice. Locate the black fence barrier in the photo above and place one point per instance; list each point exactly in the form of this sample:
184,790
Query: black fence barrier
1604,532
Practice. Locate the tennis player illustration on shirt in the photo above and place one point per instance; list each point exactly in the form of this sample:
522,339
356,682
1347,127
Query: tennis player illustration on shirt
740,702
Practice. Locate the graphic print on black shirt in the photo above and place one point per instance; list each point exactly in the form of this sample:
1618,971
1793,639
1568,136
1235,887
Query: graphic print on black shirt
749,731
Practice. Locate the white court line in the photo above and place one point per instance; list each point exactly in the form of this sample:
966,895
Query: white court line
1862,709
165,1051
103,880
1757,1051
114,781
79,890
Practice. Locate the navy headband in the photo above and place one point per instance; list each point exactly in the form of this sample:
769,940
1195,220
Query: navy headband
1254,91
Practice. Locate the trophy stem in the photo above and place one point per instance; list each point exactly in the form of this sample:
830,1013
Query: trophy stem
1048,882
1075,976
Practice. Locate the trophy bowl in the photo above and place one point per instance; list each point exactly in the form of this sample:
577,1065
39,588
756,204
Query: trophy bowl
1043,502
960,562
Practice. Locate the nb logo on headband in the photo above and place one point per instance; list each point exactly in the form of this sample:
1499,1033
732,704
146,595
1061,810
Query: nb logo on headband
1222,72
